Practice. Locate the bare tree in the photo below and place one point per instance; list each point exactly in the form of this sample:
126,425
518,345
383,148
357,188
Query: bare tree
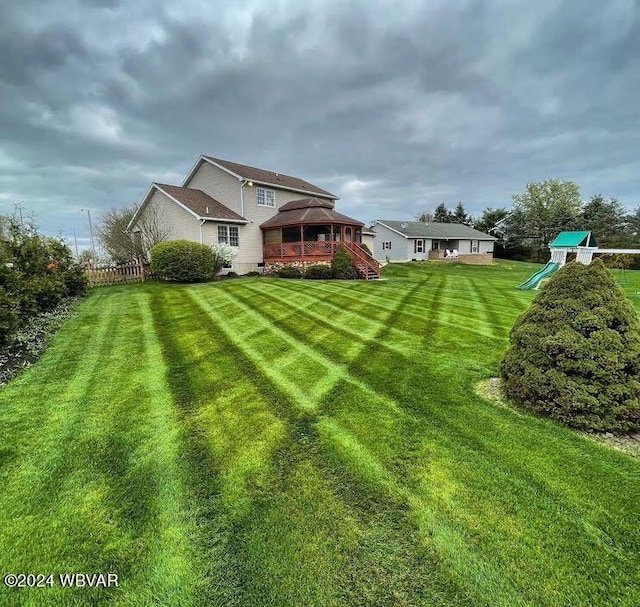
123,245
424,216
149,229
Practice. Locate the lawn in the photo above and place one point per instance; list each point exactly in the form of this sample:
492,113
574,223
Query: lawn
271,442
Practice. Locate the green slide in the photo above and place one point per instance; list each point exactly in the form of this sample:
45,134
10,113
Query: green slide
534,280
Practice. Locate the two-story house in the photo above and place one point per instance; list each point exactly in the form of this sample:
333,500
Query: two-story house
272,219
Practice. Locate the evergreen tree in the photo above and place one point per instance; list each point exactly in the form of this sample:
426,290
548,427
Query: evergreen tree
442,214
460,215
575,353
607,221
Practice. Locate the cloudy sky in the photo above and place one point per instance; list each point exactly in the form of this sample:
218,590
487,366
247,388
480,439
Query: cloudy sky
394,106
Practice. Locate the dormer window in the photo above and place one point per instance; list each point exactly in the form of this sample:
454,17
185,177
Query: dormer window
266,198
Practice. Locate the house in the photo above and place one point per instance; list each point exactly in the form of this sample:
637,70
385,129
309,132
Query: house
271,218
409,240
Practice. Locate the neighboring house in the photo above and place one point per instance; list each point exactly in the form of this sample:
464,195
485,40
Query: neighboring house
272,219
409,240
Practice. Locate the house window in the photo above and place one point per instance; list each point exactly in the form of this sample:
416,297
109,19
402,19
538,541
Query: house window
266,198
435,245
229,235
475,246
386,245
418,246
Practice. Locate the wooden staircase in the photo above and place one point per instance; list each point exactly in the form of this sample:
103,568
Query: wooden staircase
367,267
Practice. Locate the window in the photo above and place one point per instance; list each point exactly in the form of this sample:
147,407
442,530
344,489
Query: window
475,246
435,245
229,235
418,246
266,198
386,245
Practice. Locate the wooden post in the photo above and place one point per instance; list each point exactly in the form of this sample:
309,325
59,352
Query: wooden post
302,241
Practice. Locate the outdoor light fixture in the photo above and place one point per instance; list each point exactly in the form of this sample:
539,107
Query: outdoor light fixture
250,184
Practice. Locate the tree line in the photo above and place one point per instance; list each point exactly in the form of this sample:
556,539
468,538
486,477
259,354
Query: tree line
545,208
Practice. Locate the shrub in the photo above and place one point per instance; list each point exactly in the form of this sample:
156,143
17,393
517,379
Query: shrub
342,265
75,281
289,272
223,256
182,261
232,275
253,273
365,248
318,272
575,353
8,317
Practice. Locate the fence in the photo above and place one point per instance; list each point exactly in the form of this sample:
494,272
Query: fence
135,271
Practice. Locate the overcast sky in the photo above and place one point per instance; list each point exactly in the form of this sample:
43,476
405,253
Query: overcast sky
393,106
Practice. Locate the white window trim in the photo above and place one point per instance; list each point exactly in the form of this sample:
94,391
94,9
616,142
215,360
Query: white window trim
477,247
226,239
386,245
266,198
416,248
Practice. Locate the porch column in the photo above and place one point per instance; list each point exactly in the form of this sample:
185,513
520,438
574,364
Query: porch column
302,241
331,240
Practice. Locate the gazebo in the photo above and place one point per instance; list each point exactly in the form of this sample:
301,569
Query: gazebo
310,231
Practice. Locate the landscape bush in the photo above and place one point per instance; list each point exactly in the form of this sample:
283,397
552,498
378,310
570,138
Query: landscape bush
318,272
253,273
232,274
289,272
182,261
36,273
574,355
365,248
342,266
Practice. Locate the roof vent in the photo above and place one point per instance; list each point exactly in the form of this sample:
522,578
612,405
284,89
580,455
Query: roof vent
207,210
404,226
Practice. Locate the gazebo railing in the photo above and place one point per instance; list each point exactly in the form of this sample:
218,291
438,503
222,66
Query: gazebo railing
312,249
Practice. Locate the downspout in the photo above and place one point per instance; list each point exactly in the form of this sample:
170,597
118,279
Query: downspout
243,182
201,224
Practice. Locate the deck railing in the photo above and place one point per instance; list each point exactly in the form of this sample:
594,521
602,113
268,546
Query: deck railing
283,250
365,263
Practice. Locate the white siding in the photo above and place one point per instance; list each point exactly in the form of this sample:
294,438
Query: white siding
218,184
178,222
399,245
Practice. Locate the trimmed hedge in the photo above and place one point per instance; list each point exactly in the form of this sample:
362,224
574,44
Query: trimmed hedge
289,272
575,353
342,266
182,261
318,272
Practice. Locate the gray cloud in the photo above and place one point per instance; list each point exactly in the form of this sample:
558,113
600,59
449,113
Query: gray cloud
395,106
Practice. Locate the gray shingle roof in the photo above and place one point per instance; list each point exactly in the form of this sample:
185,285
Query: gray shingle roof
444,231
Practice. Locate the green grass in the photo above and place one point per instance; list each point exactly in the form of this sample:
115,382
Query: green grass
272,442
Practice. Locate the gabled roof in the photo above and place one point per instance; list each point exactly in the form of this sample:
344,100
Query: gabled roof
264,177
574,239
196,202
444,231
200,203
308,211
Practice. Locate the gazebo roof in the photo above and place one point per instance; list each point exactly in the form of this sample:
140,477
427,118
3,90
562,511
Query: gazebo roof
308,211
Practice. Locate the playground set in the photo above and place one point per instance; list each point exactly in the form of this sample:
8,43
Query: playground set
583,244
